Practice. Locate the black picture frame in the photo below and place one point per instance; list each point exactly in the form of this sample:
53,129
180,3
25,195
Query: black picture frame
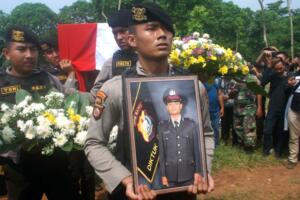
151,132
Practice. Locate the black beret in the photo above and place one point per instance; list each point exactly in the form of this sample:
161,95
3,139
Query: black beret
120,18
172,95
20,34
147,12
48,43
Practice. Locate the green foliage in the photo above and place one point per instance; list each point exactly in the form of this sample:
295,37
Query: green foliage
78,12
36,16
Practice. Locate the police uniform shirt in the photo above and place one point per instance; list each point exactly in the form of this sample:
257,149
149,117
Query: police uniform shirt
57,72
39,81
106,166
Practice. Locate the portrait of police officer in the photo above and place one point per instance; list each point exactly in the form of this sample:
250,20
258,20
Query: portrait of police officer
150,35
178,143
28,173
123,58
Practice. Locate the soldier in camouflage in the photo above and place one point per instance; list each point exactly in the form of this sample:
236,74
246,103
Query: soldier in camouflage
244,115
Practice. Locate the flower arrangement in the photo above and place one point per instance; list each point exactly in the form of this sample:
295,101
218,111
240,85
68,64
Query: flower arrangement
201,56
46,122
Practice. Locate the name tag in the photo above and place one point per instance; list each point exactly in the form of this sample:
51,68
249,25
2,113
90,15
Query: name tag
123,63
10,89
38,87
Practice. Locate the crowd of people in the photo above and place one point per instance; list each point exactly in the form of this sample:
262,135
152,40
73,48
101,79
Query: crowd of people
144,35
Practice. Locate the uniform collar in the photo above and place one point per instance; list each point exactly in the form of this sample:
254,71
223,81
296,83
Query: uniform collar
179,121
141,71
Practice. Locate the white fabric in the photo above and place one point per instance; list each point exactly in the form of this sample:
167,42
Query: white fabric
105,44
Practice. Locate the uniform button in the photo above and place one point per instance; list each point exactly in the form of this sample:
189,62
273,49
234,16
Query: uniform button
179,160
178,145
179,152
178,137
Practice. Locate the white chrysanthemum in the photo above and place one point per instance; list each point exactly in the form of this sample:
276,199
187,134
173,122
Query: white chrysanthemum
59,140
4,107
30,133
185,46
89,110
54,98
80,137
238,56
196,35
68,131
219,51
24,103
33,108
193,42
21,125
44,127
63,122
83,123
206,36
8,134
178,43
6,117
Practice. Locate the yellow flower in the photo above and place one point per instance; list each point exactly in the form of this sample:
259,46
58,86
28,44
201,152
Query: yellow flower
51,118
235,68
74,117
174,57
245,69
186,53
201,59
223,70
213,57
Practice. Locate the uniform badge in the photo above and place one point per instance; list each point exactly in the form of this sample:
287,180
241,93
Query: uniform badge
99,104
17,36
139,14
45,46
10,89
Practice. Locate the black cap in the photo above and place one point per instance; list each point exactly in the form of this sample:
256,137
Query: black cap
120,18
147,12
48,43
172,95
20,34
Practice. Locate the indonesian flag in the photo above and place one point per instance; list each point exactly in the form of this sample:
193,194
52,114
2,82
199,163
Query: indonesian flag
87,46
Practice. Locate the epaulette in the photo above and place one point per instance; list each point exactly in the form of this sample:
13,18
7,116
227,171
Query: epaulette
131,72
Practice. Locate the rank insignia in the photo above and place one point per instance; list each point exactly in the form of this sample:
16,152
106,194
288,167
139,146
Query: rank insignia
123,63
17,36
138,14
10,89
99,104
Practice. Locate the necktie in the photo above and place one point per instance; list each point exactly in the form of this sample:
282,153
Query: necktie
176,124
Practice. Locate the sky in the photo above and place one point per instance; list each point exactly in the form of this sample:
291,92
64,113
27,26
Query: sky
8,5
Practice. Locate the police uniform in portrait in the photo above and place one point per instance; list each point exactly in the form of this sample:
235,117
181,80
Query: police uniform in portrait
111,111
123,59
29,174
178,144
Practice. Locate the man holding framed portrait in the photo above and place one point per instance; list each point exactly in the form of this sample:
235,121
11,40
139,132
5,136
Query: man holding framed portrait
151,35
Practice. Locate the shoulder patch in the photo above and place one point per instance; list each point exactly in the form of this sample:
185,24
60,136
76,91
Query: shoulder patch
99,104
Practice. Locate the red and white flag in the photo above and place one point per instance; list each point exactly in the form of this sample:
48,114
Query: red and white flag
86,45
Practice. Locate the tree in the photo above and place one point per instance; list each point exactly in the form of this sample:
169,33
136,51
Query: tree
36,16
291,27
79,12
261,3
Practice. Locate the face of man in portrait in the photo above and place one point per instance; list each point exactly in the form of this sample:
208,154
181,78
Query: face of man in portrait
152,40
174,108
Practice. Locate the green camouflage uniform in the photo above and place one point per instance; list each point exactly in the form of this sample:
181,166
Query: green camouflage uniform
244,115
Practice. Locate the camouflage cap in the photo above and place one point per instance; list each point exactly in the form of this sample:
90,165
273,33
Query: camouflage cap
19,33
147,12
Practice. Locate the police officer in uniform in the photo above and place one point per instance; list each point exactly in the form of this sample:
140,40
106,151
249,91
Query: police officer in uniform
177,144
31,174
122,59
81,172
151,35
55,66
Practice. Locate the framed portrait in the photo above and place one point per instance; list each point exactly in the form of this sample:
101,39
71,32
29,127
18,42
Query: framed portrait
166,132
